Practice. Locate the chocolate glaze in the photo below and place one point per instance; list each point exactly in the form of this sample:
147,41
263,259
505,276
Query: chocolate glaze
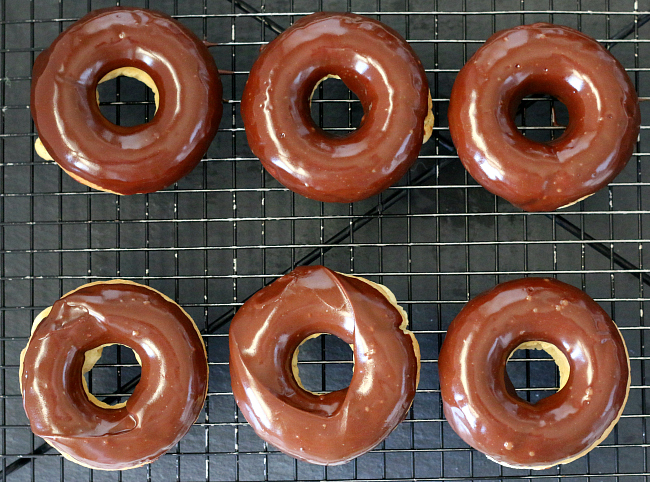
479,400
377,64
126,160
604,116
335,427
164,404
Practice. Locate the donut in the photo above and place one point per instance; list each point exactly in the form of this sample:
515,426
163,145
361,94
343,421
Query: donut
604,117
330,428
133,42
479,400
375,63
66,341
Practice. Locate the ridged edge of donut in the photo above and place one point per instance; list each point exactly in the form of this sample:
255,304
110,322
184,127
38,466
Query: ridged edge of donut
43,314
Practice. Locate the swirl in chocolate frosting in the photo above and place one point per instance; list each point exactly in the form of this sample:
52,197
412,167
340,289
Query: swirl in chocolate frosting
334,427
164,404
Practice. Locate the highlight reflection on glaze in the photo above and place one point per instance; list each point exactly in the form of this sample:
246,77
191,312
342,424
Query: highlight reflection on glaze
377,64
479,400
335,427
604,117
164,404
141,158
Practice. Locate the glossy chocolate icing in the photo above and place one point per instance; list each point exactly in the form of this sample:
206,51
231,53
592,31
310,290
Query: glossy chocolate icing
479,400
164,404
377,64
126,160
335,427
604,116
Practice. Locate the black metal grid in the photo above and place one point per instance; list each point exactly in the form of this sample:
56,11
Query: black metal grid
221,233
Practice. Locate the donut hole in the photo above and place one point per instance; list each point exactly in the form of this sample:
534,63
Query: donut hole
542,118
127,97
335,108
537,370
323,363
105,369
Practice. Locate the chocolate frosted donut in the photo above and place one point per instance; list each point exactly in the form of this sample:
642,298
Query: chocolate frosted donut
479,400
335,427
604,118
152,47
67,339
373,61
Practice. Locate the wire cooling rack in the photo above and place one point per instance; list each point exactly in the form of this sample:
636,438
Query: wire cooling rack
228,228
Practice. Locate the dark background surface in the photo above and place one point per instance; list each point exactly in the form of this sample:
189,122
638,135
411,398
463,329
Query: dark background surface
228,228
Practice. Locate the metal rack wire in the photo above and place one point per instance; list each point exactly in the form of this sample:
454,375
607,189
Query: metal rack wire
227,229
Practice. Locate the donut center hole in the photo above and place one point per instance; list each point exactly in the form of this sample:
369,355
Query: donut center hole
105,369
335,108
542,118
323,363
127,97
537,370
